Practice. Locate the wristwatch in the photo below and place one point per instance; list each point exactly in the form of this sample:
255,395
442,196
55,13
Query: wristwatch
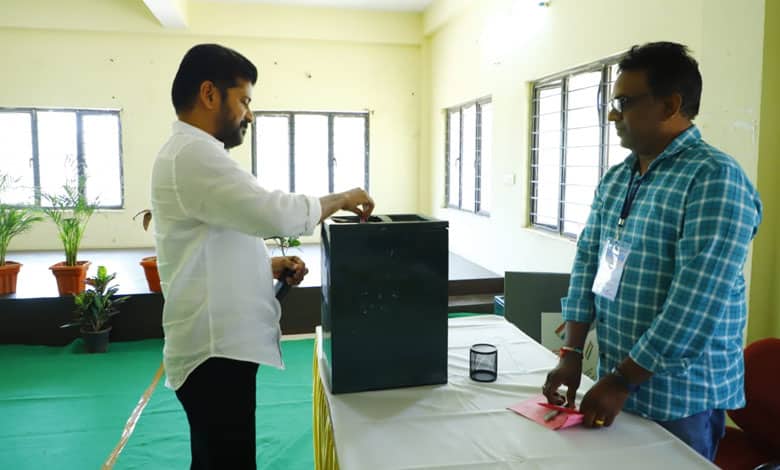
632,388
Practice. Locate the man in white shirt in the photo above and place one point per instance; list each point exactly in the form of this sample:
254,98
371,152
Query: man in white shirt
221,318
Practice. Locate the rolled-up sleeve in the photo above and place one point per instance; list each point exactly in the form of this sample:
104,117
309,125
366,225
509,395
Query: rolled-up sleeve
212,188
721,217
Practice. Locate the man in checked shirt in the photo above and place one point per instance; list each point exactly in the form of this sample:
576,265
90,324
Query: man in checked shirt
659,263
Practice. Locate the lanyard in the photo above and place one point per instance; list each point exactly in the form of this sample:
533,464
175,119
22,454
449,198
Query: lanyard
628,202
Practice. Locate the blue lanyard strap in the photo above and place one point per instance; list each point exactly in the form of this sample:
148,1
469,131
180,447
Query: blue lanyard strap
629,200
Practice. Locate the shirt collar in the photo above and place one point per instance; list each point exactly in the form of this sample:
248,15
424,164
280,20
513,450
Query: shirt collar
181,127
687,138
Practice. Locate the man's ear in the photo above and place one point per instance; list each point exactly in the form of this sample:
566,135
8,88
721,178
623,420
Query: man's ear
209,95
672,105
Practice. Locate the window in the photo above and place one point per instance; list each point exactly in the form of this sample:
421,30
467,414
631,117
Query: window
44,149
572,145
310,153
469,148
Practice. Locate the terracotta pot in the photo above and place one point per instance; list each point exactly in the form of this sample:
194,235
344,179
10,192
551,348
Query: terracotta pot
70,279
152,275
96,341
8,273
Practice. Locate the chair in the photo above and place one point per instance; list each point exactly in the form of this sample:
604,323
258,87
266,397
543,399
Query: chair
757,442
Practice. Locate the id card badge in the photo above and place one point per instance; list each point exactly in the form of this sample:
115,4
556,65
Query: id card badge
611,263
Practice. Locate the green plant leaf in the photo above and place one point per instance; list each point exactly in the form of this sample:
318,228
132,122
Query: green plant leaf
95,306
70,228
13,220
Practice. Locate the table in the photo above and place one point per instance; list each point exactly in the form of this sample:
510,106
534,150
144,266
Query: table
466,424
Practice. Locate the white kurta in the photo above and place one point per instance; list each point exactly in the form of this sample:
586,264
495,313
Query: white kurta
210,218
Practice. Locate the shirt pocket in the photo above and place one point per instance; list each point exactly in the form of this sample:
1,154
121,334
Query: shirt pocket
658,223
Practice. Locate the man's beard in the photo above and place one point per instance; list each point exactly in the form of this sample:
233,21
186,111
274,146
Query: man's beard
229,135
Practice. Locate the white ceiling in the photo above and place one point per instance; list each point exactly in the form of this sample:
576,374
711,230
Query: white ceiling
386,5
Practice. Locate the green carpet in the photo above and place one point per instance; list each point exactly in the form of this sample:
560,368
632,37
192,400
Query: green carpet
284,439
65,409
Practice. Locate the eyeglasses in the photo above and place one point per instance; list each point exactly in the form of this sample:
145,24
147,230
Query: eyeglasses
621,103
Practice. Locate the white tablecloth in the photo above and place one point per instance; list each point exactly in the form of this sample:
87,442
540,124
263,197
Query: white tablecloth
465,424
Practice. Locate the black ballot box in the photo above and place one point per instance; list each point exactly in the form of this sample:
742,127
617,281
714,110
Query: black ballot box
384,302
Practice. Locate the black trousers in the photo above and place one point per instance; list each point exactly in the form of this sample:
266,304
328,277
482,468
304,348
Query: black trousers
219,399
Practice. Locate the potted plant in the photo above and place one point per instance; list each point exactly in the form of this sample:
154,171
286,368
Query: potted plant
13,221
70,212
94,309
149,263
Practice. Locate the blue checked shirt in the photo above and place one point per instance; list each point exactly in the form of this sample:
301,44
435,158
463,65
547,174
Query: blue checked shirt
680,309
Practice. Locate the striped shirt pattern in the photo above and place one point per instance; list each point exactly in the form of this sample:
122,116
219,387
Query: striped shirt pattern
680,309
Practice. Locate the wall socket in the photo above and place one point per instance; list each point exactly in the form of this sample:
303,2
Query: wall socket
509,179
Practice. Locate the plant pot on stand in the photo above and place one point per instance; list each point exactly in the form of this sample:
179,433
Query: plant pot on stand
13,221
8,274
70,211
71,280
152,275
149,263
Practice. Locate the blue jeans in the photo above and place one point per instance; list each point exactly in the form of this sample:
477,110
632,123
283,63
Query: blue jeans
702,431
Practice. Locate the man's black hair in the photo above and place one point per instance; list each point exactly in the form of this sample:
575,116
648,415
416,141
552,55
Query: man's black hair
211,62
670,69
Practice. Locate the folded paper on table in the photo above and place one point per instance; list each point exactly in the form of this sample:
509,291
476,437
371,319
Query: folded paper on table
532,410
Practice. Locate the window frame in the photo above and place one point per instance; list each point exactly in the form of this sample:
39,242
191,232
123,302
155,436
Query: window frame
561,81
331,115
478,103
80,162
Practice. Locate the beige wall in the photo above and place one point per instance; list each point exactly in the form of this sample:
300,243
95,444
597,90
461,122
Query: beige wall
114,55
765,289
499,47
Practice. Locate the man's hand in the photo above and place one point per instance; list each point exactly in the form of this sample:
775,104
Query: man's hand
568,372
359,202
291,263
355,200
603,402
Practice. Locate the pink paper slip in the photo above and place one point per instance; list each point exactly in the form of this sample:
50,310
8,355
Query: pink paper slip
532,410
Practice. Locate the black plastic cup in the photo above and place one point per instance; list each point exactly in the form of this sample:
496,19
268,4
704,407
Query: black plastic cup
483,362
